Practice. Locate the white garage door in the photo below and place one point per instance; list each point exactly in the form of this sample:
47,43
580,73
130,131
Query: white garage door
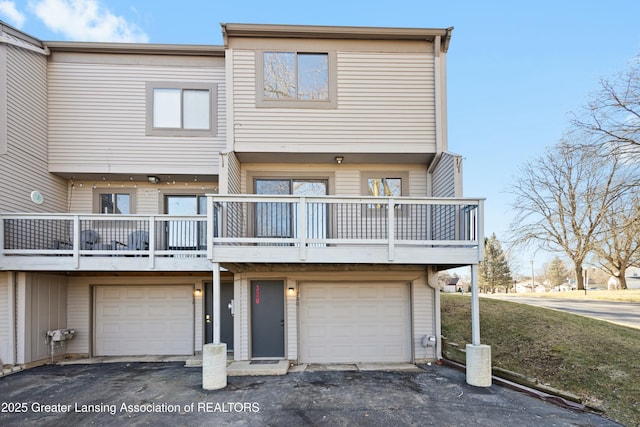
350,323
141,320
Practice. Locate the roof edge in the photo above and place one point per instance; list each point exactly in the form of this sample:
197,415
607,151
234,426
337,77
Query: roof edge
136,48
18,34
334,32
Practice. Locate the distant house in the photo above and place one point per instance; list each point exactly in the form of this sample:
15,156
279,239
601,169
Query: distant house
525,287
633,278
452,285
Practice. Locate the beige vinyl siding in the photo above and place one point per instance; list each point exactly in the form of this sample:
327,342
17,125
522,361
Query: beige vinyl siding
386,104
97,119
291,313
23,168
241,337
148,198
423,312
234,181
348,182
78,316
45,298
446,177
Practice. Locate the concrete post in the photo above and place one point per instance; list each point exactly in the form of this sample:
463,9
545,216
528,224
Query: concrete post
214,366
478,356
214,356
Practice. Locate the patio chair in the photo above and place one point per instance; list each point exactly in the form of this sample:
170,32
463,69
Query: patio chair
88,238
138,241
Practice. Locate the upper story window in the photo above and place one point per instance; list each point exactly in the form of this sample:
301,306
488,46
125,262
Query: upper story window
114,203
181,109
296,79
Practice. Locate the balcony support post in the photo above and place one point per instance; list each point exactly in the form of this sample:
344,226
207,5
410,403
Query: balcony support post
216,303
475,306
478,356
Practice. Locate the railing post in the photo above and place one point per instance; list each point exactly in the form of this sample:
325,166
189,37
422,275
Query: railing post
302,227
391,227
76,241
152,242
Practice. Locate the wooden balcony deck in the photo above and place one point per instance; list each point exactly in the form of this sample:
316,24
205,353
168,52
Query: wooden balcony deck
252,229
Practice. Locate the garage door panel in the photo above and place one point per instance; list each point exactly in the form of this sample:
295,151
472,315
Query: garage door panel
144,320
350,323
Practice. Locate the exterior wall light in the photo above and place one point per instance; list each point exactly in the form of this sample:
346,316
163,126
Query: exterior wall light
197,292
153,179
291,292
339,159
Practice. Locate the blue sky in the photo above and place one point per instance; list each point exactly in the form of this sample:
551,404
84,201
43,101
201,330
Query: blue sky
516,69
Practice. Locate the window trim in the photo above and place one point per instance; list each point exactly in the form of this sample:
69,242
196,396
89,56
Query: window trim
262,102
213,102
131,192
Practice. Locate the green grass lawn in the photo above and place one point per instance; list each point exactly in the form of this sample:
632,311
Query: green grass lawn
595,360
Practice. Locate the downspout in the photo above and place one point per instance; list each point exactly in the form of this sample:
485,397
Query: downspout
437,92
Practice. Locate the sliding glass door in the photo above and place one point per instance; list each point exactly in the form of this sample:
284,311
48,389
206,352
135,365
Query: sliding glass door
279,219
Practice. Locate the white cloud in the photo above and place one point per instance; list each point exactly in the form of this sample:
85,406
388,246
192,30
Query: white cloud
13,15
86,20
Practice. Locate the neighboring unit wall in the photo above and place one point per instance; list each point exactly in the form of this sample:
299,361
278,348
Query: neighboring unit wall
385,102
446,178
233,177
42,306
23,157
98,114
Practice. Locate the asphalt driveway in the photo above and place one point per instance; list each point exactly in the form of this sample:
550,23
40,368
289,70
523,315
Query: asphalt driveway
137,394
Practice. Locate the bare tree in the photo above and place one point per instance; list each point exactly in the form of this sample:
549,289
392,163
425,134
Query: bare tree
619,244
612,118
562,198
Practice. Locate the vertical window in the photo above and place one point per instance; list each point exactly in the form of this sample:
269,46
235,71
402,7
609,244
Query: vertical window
115,203
174,109
297,79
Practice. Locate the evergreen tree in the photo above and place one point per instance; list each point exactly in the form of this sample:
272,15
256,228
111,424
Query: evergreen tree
494,270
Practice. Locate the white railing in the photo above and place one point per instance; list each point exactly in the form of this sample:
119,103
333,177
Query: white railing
269,223
85,235
250,228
